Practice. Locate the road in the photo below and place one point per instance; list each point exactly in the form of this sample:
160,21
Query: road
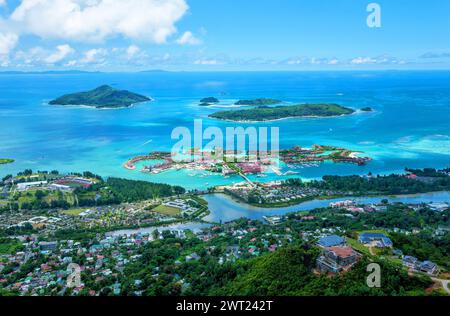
445,284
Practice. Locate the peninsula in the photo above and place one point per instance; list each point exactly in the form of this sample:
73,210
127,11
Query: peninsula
265,113
101,98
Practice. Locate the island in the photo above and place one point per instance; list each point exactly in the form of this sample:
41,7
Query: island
4,161
258,102
367,109
209,101
226,162
265,113
101,98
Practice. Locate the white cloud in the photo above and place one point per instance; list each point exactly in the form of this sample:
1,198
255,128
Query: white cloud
363,60
8,42
62,52
333,61
188,39
206,62
96,55
2,3
132,51
91,20
71,63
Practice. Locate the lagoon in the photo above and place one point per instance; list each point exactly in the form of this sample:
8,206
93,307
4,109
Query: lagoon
223,208
408,127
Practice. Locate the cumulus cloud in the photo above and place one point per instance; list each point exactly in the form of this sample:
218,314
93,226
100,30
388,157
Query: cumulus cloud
383,59
96,55
8,42
363,60
188,39
94,20
132,51
62,51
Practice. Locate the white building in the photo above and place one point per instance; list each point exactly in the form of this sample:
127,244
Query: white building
27,185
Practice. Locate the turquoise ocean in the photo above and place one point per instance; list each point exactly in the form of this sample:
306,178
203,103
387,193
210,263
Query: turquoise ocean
409,127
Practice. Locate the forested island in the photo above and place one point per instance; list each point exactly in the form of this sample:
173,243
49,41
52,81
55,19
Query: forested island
209,101
102,97
258,102
4,161
265,113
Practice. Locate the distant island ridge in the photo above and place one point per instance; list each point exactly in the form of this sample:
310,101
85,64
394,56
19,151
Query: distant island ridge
255,102
266,113
258,102
102,97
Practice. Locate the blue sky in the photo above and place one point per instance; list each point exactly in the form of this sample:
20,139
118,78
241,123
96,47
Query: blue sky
116,35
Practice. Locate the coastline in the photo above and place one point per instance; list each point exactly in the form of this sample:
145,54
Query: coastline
321,198
84,106
281,119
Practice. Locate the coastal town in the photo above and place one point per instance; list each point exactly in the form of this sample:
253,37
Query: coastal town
243,164
103,258
42,248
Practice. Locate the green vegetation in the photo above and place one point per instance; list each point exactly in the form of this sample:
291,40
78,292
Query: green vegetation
135,191
428,172
166,210
380,185
258,102
367,109
74,211
288,272
208,101
424,247
102,97
10,246
4,161
110,192
273,113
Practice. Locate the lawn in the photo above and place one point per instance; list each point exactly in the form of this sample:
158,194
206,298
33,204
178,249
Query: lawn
358,246
74,211
167,210
9,246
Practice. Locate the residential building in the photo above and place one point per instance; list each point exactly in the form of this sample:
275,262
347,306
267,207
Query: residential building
331,241
337,259
375,240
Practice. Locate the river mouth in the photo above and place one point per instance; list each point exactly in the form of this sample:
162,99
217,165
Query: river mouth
223,208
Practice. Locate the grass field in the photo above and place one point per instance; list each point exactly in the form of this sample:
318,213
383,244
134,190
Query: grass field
9,246
167,210
74,211
358,246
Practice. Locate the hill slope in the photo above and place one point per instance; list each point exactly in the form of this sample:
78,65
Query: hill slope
102,97
265,113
